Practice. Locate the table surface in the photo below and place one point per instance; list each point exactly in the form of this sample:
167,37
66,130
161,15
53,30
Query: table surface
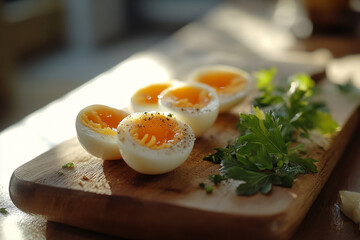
226,35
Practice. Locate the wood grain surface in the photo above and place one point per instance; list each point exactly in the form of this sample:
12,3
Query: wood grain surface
109,197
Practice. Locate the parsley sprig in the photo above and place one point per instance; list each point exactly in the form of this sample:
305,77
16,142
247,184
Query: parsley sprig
293,104
261,157
266,154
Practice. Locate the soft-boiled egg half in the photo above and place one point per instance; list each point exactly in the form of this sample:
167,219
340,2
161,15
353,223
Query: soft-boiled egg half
231,84
194,103
154,142
96,128
146,98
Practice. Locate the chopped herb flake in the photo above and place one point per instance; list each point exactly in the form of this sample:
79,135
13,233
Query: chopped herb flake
68,165
3,211
209,188
217,178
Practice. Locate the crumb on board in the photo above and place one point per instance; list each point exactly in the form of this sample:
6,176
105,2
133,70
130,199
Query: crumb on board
85,178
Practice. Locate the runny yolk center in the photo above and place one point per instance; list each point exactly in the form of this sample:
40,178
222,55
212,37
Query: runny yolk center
156,131
149,94
103,120
223,82
189,96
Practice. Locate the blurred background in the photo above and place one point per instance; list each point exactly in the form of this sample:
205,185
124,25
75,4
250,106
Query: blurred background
49,47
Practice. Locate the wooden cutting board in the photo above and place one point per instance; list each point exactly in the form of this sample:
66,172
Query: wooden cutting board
109,197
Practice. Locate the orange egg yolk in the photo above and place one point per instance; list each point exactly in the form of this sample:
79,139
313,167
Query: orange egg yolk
103,120
188,96
156,131
149,94
223,82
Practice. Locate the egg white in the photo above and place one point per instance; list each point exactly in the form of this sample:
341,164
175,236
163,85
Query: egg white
226,100
150,161
97,144
199,119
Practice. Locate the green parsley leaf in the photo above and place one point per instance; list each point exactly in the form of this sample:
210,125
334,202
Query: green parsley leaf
262,159
269,94
306,163
264,78
324,123
302,82
294,108
263,131
255,181
216,157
